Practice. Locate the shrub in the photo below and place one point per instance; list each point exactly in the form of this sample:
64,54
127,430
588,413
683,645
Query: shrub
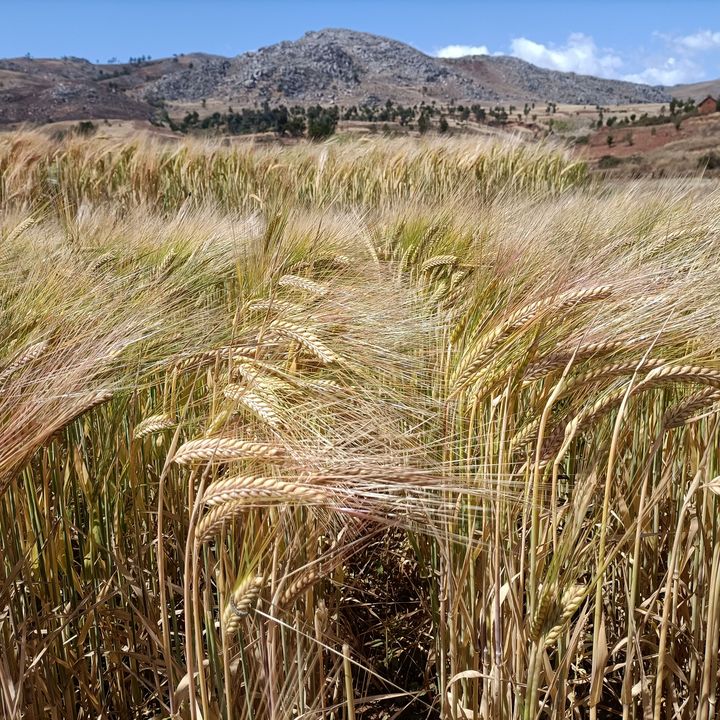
709,161
321,122
85,128
608,161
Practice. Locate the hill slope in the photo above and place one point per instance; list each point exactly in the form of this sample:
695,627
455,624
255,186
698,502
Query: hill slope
344,66
327,66
515,79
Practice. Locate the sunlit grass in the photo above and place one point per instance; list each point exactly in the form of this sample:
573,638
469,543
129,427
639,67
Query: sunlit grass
286,432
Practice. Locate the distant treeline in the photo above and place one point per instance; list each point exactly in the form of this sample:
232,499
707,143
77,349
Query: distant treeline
317,121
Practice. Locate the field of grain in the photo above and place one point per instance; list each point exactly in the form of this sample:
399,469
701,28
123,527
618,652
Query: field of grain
370,429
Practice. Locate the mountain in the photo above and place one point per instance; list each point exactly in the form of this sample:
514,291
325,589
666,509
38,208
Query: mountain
515,79
337,66
340,66
348,67
697,91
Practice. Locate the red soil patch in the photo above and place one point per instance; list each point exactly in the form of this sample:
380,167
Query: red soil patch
628,141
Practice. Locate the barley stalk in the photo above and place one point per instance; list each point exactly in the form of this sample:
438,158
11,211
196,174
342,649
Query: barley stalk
153,424
438,261
27,356
226,449
483,348
267,488
253,402
300,283
305,338
241,602
218,516
682,412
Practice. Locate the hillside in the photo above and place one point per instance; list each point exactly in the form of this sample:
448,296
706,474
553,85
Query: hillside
330,66
515,79
340,66
698,91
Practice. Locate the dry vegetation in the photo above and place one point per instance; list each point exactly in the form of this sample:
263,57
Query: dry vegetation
373,429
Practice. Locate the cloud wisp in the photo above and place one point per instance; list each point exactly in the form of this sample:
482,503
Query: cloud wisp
457,51
676,63
579,54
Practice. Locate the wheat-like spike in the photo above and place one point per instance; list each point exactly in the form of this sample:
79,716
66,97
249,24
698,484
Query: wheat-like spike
210,356
559,360
101,261
253,402
437,261
330,387
252,375
153,424
28,355
679,373
219,422
269,488
487,382
680,414
544,610
440,289
527,433
217,517
274,305
590,415
20,228
485,345
610,371
305,338
457,277
226,449
241,602
95,399
300,283
570,602
165,265
307,579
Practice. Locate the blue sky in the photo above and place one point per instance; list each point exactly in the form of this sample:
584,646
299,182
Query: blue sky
654,41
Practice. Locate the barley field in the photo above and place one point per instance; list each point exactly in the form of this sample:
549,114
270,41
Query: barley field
368,429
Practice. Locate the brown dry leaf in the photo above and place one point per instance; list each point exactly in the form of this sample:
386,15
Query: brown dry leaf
599,665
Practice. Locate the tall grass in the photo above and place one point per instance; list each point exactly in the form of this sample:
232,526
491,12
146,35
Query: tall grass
365,174
338,431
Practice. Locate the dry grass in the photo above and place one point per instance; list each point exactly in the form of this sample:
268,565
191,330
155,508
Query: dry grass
348,429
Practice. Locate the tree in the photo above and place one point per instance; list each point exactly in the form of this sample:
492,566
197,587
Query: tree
423,123
443,125
321,122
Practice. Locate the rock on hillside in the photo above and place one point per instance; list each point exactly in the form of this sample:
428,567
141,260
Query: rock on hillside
347,67
328,66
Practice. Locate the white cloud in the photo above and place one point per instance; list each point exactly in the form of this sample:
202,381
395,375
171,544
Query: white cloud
672,71
697,42
580,54
456,51
675,64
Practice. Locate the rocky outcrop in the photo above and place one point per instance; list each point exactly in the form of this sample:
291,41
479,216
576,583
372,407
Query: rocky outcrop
346,67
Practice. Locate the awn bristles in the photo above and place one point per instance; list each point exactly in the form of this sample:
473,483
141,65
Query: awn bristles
305,338
300,283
